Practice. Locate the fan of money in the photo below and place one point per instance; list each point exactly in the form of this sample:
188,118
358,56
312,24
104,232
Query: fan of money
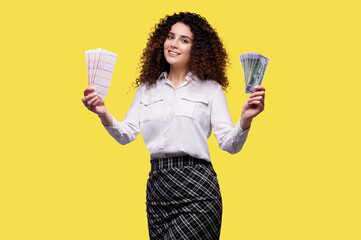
100,66
254,66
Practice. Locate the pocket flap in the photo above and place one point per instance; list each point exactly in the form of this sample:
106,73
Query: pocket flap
149,99
196,98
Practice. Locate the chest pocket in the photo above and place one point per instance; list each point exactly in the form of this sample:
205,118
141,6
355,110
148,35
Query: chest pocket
192,106
151,107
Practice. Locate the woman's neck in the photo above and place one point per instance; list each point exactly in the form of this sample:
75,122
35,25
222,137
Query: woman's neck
177,75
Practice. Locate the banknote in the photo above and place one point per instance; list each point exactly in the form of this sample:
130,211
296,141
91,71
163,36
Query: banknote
254,66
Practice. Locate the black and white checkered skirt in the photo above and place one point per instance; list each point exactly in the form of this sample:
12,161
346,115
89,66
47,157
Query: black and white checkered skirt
183,199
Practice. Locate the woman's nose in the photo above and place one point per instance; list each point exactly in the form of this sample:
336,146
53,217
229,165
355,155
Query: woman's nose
174,44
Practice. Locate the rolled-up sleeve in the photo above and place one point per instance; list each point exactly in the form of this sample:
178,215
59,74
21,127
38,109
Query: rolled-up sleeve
127,130
230,138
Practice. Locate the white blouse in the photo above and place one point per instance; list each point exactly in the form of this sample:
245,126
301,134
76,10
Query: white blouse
178,121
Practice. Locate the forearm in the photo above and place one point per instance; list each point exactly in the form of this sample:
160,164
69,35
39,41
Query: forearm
123,132
106,119
233,140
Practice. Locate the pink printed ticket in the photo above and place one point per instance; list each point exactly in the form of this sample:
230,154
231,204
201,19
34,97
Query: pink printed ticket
100,65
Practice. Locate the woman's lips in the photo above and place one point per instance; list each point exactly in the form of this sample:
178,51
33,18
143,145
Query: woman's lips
173,53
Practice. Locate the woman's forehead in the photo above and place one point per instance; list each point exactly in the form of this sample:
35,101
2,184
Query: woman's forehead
180,28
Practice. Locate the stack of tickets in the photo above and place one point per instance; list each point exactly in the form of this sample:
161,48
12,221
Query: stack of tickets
100,66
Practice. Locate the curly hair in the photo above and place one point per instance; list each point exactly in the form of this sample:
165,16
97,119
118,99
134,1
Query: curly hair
209,59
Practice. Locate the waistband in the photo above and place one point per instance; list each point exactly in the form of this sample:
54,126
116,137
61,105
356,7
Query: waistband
175,162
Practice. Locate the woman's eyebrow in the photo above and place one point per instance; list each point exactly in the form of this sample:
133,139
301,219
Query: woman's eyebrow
185,36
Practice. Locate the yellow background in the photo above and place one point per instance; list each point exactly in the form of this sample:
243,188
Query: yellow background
63,177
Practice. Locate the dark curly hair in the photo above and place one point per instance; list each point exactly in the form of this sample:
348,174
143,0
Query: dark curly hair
209,59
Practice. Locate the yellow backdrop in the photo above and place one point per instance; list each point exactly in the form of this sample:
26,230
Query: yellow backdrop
63,177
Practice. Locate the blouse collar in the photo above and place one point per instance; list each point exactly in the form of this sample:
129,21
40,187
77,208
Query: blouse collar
190,76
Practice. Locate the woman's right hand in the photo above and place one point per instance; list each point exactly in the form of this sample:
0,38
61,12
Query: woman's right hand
93,102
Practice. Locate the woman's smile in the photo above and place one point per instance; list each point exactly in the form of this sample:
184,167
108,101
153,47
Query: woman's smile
173,53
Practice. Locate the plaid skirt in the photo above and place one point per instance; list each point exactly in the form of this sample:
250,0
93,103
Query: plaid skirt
183,199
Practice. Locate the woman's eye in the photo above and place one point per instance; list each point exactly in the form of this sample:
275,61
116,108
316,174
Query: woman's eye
185,41
170,37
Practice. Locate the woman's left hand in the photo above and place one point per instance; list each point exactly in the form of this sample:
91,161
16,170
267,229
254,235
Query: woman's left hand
252,107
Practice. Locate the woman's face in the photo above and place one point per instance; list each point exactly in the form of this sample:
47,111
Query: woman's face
177,46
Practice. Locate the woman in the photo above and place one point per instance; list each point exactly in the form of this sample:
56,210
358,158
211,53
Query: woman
179,100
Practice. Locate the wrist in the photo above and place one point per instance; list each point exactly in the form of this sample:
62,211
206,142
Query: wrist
106,118
103,115
245,123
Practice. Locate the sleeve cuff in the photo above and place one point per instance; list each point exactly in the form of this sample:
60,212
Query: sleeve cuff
239,137
240,131
113,128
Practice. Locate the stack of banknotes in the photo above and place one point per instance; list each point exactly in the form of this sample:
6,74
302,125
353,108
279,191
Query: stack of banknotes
100,65
254,67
